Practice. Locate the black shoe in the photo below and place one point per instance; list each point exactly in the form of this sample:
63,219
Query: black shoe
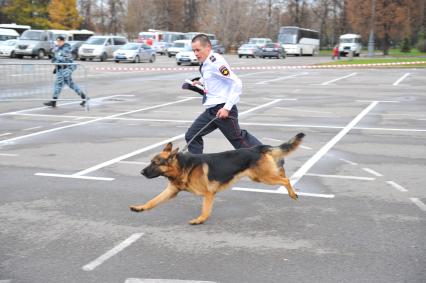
83,103
51,103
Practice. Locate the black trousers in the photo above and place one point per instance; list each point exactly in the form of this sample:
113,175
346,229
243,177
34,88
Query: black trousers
229,127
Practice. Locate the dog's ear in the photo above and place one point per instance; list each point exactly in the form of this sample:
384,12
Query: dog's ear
168,147
173,153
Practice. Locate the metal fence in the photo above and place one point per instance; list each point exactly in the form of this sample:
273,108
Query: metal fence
35,82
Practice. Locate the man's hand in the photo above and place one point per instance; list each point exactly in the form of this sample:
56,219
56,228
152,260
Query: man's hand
222,113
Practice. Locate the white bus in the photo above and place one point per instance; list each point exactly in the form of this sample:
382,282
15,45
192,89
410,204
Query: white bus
299,41
19,28
160,36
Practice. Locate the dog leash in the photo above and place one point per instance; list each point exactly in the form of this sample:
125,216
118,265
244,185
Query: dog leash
185,148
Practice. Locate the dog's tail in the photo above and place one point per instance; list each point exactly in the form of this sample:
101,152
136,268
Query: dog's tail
289,146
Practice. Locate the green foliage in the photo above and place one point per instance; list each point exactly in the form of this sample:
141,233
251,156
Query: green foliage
405,46
28,12
421,42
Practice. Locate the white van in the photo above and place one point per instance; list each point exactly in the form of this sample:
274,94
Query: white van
100,47
6,34
178,46
350,42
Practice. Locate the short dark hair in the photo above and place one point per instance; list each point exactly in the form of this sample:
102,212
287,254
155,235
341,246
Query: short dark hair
202,38
61,38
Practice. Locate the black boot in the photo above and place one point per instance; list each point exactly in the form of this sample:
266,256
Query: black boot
51,103
83,103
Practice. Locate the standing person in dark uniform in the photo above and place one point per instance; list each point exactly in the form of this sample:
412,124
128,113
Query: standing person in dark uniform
222,92
62,54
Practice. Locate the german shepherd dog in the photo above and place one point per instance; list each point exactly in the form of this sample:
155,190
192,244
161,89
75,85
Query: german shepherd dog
207,174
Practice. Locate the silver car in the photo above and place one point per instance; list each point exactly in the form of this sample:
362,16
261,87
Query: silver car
249,50
135,52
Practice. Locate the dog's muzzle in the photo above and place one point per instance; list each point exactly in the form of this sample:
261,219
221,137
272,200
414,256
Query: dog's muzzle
150,172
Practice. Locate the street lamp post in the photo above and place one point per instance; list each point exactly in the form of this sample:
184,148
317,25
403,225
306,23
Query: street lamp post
373,21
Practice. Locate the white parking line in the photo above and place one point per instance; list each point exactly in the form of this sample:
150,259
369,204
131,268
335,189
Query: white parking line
136,152
95,263
397,186
5,134
134,162
348,161
341,177
282,192
338,79
314,159
33,128
419,203
8,154
401,79
142,280
281,78
94,120
372,172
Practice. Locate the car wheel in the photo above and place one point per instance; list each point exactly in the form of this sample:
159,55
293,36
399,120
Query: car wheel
170,55
239,56
137,59
12,54
83,59
40,54
103,57
179,63
152,59
117,61
19,56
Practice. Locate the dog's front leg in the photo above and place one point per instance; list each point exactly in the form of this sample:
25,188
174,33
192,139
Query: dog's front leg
206,210
170,192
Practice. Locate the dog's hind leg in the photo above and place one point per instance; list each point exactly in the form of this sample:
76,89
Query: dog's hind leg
206,210
273,179
170,192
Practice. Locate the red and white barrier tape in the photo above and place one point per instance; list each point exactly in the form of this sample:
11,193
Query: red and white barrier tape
159,69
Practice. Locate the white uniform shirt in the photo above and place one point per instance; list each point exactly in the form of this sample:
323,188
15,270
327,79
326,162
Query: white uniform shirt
220,83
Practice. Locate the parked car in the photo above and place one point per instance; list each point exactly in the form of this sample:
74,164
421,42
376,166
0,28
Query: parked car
249,50
186,56
161,47
218,48
178,45
272,50
7,48
34,43
135,52
75,45
260,41
101,47
6,34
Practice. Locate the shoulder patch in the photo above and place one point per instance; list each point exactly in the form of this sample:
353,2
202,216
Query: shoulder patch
212,58
224,71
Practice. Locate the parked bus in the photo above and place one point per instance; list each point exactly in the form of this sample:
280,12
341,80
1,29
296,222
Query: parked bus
160,36
6,34
19,28
299,41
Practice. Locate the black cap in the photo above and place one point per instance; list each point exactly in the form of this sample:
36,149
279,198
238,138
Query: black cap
61,38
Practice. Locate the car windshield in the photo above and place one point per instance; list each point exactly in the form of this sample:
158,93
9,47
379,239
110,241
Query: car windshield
130,46
347,40
31,35
248,46
96,41
270,45
179,44
287,38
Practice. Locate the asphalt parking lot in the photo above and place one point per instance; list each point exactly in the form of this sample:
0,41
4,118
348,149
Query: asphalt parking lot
68,176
